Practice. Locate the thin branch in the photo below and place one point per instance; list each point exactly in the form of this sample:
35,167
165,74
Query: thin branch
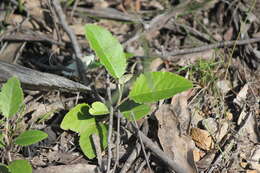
117,143
73,39
136,150
141,141
159,153
168,55
96,141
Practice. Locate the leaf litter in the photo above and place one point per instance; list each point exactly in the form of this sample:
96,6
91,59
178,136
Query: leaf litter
213,127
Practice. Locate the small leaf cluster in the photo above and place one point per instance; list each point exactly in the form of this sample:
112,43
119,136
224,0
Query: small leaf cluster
148,88
11,103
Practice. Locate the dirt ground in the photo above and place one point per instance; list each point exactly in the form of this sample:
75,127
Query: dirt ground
213,127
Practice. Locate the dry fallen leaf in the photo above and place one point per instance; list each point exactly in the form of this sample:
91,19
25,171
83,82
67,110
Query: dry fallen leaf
241,96
179,147
180,108
252,171
197,154
76,168
202,138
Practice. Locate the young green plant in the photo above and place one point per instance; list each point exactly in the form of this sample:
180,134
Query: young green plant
148,88
11,102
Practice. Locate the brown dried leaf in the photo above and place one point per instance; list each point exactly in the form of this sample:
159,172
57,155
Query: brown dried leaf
179,147
179,104
202,138
229,34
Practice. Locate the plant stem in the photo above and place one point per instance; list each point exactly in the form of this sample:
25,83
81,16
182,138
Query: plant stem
6,136
120,87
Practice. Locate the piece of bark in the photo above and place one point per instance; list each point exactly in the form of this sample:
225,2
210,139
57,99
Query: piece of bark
35,80
30,37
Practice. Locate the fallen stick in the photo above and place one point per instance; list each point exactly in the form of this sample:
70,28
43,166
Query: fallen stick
35,80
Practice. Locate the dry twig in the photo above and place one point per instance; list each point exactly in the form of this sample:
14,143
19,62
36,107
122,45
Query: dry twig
73,39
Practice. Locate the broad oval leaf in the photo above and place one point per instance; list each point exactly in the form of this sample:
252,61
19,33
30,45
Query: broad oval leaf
78,119
107,48
11,97
20,166
30,137
138,110
86,142
155,86
98,108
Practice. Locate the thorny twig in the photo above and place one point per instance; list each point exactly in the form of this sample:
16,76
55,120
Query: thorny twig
73,39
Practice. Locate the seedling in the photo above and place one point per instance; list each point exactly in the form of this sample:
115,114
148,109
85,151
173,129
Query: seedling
11,103
148,88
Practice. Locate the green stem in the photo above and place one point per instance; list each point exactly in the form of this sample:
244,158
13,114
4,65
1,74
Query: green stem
120,87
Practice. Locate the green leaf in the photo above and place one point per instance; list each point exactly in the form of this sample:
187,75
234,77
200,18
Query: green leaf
86,142
107,48
98,108
78,119
4,168
129,55
30,137
11,97
155,86
139,110
20,166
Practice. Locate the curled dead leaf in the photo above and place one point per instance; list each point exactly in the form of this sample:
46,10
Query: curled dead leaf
201,138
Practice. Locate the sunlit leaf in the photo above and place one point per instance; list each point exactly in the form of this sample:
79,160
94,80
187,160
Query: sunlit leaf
86,142
98,108
138,110
20,166
11,97
107,48
30,137
78,119
155,86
